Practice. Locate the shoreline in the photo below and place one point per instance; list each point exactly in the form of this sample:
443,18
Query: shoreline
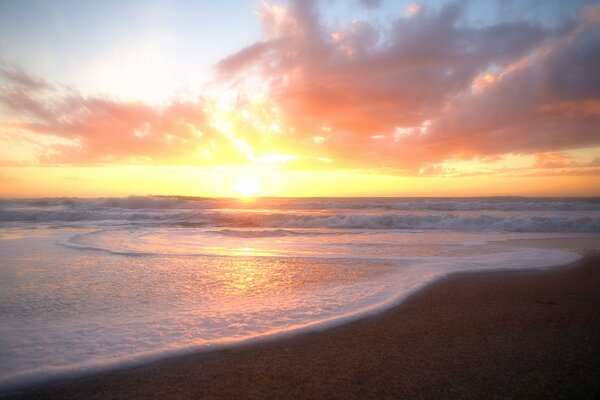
285,366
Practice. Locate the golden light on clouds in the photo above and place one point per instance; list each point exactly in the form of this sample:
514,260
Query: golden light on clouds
434,101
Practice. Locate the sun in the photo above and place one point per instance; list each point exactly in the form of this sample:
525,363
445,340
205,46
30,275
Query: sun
247,186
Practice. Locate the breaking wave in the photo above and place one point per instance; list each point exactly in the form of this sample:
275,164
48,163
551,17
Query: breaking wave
483,222
283,215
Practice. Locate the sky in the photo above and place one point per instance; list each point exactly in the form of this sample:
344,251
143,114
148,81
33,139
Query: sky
299,98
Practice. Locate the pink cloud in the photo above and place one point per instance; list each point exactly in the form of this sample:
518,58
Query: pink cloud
361,81
104,130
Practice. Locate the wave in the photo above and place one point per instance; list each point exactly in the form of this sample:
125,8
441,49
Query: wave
283,224
250,233
400,204
410,221
116,215
282,216
416,222
483,204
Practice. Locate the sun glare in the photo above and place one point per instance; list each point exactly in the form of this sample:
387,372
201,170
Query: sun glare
247,186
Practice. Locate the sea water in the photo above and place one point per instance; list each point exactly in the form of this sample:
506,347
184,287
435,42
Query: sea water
94,284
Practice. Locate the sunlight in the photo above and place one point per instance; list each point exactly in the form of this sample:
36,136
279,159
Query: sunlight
247,186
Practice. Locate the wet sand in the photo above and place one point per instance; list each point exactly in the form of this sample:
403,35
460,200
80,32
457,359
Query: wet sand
531,334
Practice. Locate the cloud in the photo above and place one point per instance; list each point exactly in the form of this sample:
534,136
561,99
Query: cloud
53,125
65,127
553,160
548,101
24,80
370,3
431,88
421,93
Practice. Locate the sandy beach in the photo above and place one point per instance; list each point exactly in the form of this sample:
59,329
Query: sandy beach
300,199
527,334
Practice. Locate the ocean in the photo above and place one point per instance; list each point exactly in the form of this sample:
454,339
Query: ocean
88,285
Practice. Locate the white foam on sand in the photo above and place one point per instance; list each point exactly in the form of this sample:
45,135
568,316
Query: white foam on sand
68,312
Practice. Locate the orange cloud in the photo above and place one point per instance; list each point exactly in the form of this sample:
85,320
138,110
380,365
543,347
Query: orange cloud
88,130
418,80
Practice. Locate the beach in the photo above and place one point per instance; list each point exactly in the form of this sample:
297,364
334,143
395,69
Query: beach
506,334
300,199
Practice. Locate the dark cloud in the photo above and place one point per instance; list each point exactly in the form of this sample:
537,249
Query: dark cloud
370,3
22,79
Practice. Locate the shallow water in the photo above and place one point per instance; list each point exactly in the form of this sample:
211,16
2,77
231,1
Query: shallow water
93,284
